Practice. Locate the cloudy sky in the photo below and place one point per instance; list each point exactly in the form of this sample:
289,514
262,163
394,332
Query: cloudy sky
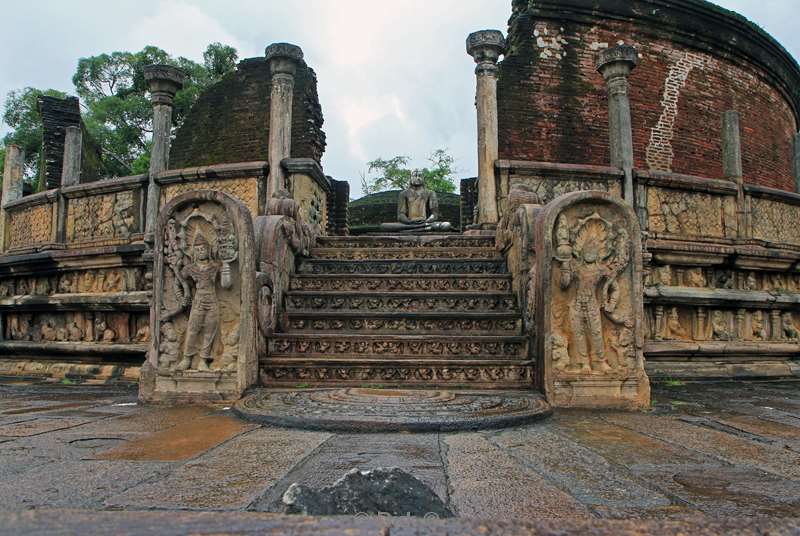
393,75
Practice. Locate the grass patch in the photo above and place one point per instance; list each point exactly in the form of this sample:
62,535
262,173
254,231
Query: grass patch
302,386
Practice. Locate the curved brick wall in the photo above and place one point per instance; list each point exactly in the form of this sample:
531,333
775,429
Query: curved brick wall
230,121
698,61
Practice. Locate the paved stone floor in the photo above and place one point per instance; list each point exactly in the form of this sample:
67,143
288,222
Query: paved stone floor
721,457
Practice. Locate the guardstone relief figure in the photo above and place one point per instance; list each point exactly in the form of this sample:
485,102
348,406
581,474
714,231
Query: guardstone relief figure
590,257
199,251
417,210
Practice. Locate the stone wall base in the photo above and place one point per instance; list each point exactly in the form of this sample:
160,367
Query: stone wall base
722,370
58,371
606,393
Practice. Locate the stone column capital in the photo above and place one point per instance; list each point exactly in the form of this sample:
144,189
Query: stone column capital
486,47
617,62
283,58
164,81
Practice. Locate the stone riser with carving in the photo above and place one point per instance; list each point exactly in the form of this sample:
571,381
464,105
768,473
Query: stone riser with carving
87,281
406,241
480,376
404,254
391,283
378,347
442,267
404,323
308,301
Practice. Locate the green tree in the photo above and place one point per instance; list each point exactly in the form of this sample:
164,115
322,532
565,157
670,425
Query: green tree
394,173
116,110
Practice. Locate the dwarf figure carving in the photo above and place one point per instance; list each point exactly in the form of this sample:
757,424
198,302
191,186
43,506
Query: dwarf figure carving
720,330
788,327
759,331
674,328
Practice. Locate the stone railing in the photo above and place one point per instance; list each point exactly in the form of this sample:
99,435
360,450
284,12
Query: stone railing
721,279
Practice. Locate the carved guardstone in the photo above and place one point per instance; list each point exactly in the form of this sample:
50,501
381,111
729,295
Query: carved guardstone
203,313
589,298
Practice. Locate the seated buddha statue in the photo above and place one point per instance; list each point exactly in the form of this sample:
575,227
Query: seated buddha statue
417,210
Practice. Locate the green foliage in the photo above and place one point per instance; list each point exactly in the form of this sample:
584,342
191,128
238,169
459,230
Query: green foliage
21,113
116,109
394,173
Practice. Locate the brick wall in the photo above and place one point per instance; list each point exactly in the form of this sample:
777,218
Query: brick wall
553,104
230,121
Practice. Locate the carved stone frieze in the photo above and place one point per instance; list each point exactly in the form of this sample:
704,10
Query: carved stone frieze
684,214
419,242
589,302
441,284
393,254
89,281
401,303
243,189
107,217
409,268
412,374
774,221
203,312
287,345
547,190
30,227
405,325
77,327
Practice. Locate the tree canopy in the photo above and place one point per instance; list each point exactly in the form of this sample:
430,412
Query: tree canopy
116,111
394,173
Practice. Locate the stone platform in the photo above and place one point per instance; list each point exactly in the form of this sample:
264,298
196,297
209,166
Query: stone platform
392,410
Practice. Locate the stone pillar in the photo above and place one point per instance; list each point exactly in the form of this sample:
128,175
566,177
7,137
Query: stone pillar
486,47
732,161
283,59
775,325
12,185
797,162
71,168
164,81
616,64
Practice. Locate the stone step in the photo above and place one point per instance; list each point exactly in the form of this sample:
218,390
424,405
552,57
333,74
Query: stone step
398,347
405,283
402,323
400,302
406,241
404,254
422,373
401,267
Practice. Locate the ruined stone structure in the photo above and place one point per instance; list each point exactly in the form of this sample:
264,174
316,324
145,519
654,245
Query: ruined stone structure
634,217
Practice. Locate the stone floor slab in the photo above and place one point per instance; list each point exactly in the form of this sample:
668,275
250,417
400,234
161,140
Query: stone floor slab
228,477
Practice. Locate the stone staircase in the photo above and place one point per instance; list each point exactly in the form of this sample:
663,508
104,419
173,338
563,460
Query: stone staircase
402,311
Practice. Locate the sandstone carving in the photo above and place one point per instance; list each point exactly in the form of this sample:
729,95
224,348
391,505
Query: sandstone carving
789,329
758,330
720,330
589,284
202,324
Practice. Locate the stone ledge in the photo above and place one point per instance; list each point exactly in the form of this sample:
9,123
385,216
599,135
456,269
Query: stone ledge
602,172
309,167
105,186
757,299
117,301
723,351
42,198
214,172
39,349
715,370
686,182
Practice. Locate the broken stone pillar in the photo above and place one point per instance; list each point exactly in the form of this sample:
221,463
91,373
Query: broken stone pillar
283,59
12,185
486,47
797,162
732,161
616,65
588,302
71,167
164,81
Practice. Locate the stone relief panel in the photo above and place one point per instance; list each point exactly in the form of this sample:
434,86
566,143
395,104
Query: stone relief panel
96,281
722,278
108,217
710,324
244,189
312,200
547,189
589,284
203,309
30,227
78,327
199,323
683,214
775,221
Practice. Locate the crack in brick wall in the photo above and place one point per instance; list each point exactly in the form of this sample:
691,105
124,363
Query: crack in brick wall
659,151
